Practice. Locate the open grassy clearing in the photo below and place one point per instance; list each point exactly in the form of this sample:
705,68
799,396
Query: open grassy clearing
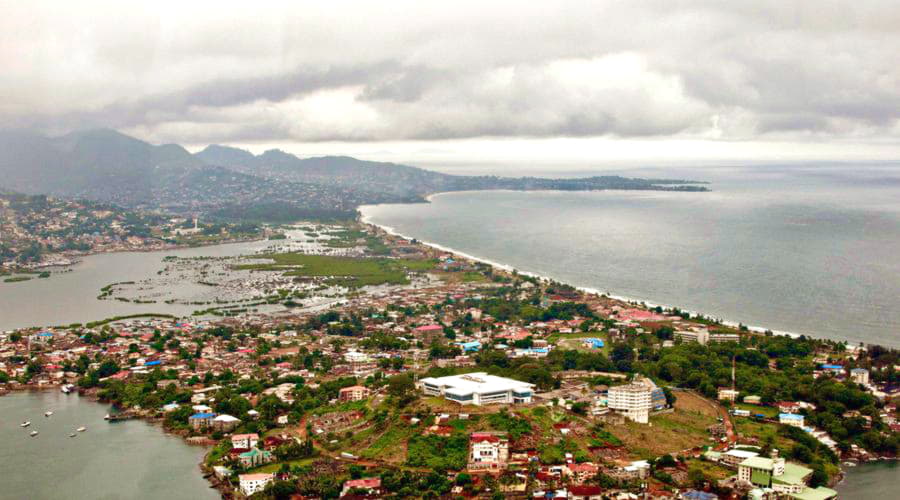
345,271
768,411
674,432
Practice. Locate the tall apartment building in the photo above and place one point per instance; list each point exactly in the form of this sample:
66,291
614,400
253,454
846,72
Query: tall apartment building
634,400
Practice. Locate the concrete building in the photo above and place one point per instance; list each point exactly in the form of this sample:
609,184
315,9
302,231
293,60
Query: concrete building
478,389
244,441
353,393
860,376
251,483
704,337
792,419
488,450
634,400
200,421
784,478
369,485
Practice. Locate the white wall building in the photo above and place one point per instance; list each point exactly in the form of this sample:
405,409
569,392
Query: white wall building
634,400
251,483
478,389
488,450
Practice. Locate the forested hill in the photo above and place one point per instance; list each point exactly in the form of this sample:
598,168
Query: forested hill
109,166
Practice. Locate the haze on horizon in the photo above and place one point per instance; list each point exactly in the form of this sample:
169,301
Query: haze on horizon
467,81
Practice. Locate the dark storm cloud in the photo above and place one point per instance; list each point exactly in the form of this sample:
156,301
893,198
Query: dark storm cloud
309,72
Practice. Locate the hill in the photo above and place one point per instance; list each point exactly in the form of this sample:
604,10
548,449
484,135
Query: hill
232,183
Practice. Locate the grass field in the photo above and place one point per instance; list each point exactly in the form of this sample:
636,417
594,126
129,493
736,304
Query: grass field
674,432
345,271
768,411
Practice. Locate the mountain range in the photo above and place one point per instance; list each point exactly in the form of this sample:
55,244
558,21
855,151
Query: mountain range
228,182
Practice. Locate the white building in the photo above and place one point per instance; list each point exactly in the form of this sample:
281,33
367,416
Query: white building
244,441
251,483
478,389
860,376
634,400
488,450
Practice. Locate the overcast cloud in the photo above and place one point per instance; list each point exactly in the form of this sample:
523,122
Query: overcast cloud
364,72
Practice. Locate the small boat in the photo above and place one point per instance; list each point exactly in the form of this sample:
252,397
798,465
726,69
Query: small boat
72,435
82,429
67,388
48,413
106,417
25,424
34,433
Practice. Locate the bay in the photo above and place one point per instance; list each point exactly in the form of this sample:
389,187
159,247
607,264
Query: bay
811,249
122,460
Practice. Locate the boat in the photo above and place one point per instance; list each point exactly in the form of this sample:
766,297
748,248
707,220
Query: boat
34,433
67,388
48,413
82,429
72,435
25,424
106,417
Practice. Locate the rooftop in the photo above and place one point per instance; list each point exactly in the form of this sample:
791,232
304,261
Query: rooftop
479,382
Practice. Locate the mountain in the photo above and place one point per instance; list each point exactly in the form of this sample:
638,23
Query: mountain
106,165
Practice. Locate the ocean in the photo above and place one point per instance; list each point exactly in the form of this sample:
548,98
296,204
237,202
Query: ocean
804,248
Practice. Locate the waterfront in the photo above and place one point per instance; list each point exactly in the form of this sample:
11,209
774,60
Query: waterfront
872,480
131,459
805,250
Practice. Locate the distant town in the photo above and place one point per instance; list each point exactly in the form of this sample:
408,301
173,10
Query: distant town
431,375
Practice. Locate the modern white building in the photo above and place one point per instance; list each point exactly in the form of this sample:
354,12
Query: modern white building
633,400
478,389
251,483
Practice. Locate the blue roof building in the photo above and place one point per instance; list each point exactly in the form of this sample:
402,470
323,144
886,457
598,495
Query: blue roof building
153,363
593,342
473,346
834,368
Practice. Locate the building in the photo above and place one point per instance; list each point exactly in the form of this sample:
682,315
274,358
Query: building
255,457
585,492
200,421
704,337
370,485
473,346
792,419
785,478
244,441
633,400
733,458
353,393
488,450
252,483
860,376
478,389
593,342
726,394
225,423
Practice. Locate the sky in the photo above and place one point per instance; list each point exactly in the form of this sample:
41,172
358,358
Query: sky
445,82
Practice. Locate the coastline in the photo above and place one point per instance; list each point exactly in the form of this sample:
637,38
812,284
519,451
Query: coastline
366,219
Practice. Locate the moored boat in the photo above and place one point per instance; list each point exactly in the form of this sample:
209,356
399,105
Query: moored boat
25,424
34,433
82,429
48,413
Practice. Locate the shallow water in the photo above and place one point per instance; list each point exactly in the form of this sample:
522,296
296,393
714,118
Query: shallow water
122,460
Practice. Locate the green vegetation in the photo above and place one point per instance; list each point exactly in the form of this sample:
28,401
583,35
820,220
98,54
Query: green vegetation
17,279
438,453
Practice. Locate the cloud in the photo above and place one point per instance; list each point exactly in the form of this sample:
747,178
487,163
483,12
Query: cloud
362,72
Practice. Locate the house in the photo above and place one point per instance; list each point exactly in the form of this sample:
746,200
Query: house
478,389
488,450
370,485
792,419
201,421
585,492
245,441
255,457
726,394
252,483
225,423
353,393
472,346
752,400
783,477
593,343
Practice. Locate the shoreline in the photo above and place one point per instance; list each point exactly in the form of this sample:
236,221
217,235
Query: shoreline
366,219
